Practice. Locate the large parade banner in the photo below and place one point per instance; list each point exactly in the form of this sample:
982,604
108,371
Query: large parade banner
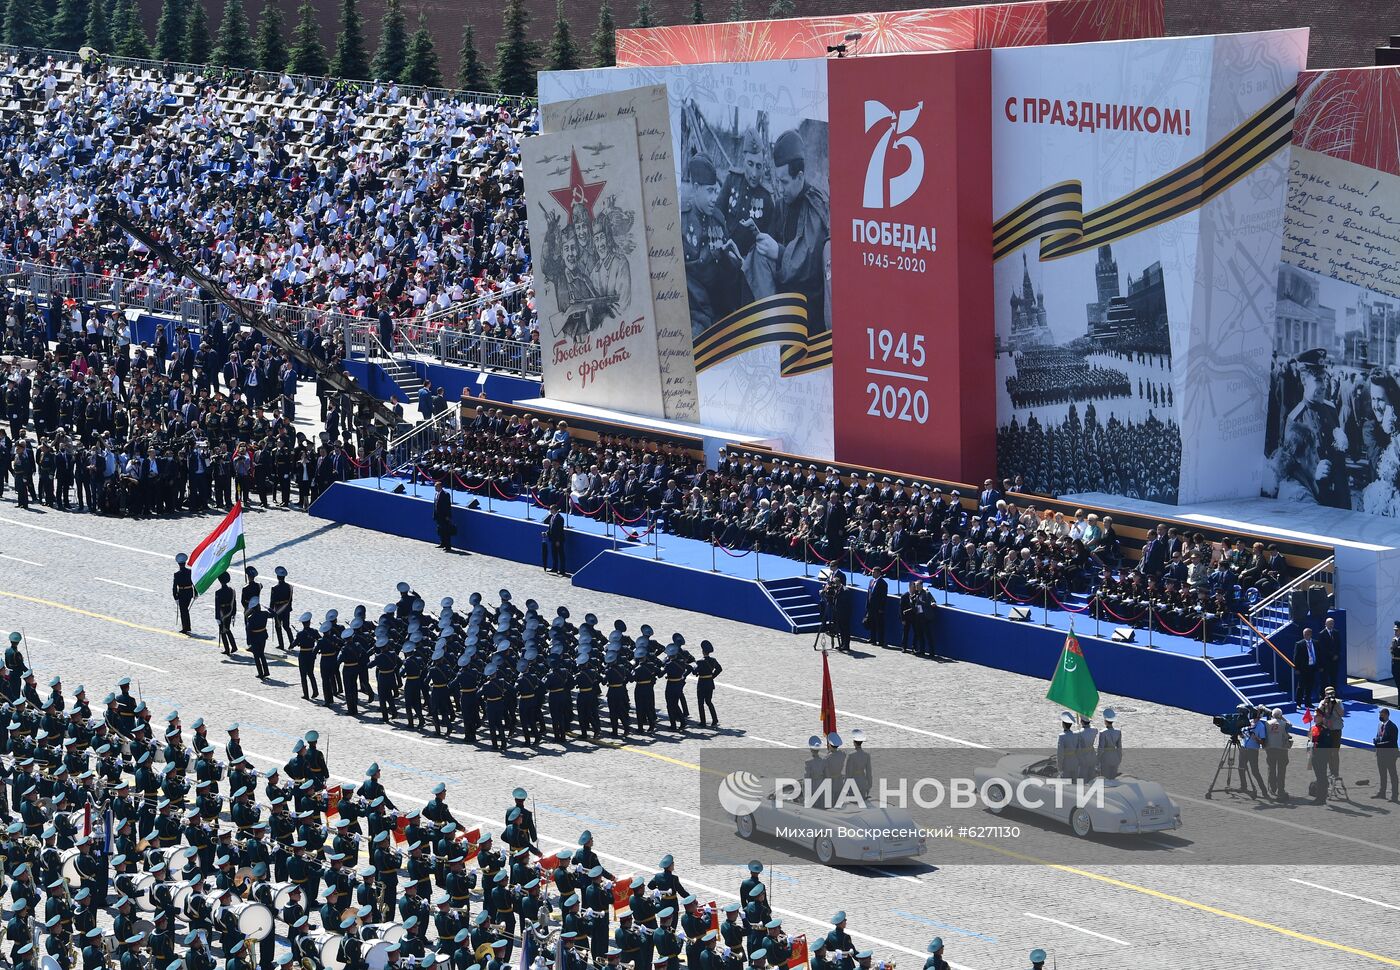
893,32
1138,196
751,158
1333,435
597,325
647,108
911,274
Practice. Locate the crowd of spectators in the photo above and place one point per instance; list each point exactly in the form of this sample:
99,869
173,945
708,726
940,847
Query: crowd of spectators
368,204
1058,376
1136,459
95,422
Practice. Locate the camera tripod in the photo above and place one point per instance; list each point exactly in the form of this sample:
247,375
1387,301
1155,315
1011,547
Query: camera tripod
826,640
1230,764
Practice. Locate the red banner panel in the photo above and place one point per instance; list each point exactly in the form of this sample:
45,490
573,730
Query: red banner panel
911,267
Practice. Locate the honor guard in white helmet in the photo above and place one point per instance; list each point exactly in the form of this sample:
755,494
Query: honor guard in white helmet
1110,745
1067,747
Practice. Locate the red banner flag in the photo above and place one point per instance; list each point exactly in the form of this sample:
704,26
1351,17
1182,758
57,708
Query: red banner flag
799,952
828,699
400,824
1307,715
87,819
714,915
621,891
332,802
550,862
473,837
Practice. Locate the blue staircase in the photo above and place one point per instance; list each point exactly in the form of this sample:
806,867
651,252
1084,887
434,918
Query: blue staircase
1253,682
798,603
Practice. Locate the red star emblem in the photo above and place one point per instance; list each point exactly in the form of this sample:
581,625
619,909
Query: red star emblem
578,191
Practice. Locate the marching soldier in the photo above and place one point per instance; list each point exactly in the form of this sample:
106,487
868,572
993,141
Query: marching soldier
305,645
255,625
251,587
224,613
182,590
280,602
706,671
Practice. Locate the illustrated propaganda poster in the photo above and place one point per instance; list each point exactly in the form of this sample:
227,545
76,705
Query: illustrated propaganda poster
647,106
598,328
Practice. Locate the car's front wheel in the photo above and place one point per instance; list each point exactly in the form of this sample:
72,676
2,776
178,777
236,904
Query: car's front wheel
825,850
997,797
744,825
1080,823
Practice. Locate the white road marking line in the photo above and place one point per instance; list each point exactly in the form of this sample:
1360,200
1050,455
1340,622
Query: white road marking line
1328,889
781,744
265,700
1079,929
1254,816
698,818
42,640
114,582
820,923
326,592
858,717
128,660
27,562
403,737
74,535
545,774
894,875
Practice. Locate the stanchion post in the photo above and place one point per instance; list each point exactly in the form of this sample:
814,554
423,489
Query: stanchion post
1045,606
805,547
655,535
996,580
1150,607
1098,614
756,576
1203,635
945,585
489,490
713,567
851,560
529,501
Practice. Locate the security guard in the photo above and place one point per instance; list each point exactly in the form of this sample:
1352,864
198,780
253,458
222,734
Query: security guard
1110,752
255,625
305,644
182,589
712,259
280,601
224,613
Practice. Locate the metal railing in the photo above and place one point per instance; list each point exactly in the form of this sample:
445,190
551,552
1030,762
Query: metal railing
327,86
1321,572
518,357
422,436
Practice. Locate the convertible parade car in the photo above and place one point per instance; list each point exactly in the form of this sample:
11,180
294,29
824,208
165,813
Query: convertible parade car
836,835
1128,805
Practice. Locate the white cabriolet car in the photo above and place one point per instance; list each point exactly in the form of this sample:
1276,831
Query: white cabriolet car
1128,805
836,835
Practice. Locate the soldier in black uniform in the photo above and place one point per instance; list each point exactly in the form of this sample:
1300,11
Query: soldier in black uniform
224,613
280,605
182,589
305,644
706,670
255,624
251,586
386,675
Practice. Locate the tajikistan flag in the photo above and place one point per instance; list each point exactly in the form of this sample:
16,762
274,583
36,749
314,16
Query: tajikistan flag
212,556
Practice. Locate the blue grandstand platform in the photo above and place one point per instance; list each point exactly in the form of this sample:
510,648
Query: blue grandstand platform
782,594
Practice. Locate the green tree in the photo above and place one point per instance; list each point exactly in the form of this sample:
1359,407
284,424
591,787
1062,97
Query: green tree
98,36
605,37
738,10
120,21
67,30
351,58
135,42
697,11
198,43
422,67
563,52
21,28
645,18
471,73
270,47
389,59
170,31
779,9
308,54
233,47
515,52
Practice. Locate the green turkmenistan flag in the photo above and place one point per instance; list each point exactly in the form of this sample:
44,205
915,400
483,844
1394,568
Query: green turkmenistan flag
1072,687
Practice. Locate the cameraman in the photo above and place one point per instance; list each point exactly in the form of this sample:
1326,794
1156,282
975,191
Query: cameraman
836,609
1253,740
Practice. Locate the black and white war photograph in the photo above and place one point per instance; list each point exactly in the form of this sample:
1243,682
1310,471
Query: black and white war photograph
1084,373
1334,397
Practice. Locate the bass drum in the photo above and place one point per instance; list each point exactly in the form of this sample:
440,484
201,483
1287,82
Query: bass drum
254,920
376,954
388,932
69,859
180,896
47,962
141,885
328,949
276,895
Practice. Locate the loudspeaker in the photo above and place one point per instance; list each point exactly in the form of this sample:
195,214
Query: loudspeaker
1123,634
1319,601
399,489
1020,614
474,504
1298,606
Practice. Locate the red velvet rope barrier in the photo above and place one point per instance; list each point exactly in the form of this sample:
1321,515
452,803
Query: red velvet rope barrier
1179,633
866,566
583,511
622,518
1013,595
496,488
1068,609
465,486
970,589
918,575
819,555
735,555
635,536
1122,619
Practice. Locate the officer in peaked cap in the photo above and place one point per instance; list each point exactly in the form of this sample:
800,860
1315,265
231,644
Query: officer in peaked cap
711,258
251,586
795,253
1310,461
1037,959
182,589
1110,753
224,613
935,959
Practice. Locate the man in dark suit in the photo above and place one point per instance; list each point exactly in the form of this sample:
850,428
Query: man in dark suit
987,500
442,515
1329,649
876,596
1305,659
1154,553
1387,741
554,540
